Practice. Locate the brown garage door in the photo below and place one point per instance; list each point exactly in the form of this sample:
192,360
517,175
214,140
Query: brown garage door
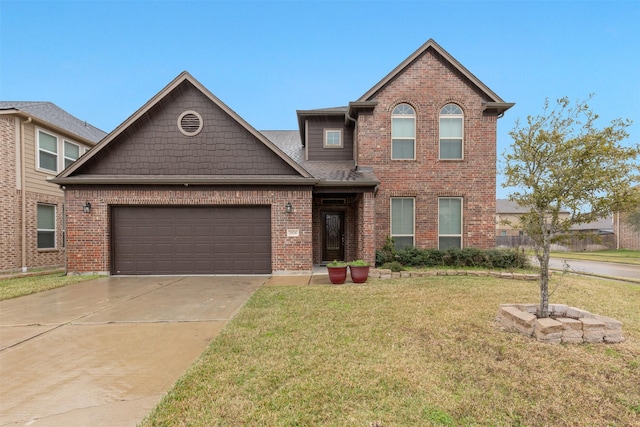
191,240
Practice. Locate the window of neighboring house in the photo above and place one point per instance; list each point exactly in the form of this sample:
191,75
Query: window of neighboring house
449,222
503,233
403,132
451,132
47,151
333,138
402,221
71,153
46,226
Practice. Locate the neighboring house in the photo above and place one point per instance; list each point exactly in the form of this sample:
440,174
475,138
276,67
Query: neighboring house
186,186
37,141
508,218
628,236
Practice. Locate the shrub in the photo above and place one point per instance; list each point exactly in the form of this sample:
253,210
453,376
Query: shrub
387,253
394,266
452,257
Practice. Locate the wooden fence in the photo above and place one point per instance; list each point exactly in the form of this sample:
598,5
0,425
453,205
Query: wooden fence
574,244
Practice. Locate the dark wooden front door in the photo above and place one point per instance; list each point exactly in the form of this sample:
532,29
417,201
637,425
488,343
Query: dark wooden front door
333,236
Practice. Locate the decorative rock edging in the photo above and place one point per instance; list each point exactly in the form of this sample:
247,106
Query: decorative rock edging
565,324
381,273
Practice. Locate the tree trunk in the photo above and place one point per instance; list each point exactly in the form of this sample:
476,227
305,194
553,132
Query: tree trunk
543,258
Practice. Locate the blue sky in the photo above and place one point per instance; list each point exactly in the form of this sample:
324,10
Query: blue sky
102,60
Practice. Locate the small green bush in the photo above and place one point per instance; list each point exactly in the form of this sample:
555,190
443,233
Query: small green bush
394,266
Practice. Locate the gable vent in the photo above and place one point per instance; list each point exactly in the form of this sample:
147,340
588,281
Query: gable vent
190,123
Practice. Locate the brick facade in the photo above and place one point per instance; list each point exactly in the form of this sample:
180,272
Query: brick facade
427,85
10,197
88,235
629,237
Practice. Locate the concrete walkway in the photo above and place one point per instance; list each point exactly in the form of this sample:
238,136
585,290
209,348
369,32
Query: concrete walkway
105,351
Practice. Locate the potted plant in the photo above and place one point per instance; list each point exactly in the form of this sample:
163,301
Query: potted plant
337,272
359,270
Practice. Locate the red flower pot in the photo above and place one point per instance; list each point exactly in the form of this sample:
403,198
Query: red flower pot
359,274
337,275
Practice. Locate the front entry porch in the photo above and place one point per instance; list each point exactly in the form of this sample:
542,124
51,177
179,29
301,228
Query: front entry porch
343,227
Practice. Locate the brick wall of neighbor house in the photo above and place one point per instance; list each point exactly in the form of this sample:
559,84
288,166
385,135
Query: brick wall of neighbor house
44,258
9,198
629,236
88,239
428,84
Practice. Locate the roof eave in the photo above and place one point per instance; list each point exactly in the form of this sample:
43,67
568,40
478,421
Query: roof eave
50,126
498,107
182,180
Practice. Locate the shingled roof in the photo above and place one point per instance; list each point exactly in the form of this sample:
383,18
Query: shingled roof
330,173
50,113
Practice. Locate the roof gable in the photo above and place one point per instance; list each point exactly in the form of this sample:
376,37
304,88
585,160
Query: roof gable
150,143
495,101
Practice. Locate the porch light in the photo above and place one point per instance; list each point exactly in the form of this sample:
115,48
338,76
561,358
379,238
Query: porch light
86,208
289,207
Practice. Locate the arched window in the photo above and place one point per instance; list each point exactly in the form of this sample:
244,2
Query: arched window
403,132
451,132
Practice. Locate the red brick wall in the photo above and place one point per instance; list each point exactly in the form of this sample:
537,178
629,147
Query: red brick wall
9,198
629,236
428,84
88,235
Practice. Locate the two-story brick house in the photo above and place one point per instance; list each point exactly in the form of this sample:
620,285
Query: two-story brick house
186,186
37,141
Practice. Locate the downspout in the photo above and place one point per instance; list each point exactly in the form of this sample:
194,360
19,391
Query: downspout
355,138
23,188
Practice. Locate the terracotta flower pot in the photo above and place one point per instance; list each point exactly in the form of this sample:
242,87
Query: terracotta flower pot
359,274
337,275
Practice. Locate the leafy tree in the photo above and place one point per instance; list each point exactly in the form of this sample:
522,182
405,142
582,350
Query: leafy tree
559,161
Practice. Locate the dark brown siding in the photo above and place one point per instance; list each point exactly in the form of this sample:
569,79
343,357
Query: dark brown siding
191,240
315,142
153,145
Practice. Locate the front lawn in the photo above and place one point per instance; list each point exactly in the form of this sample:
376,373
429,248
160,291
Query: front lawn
622,256
423,351
19,286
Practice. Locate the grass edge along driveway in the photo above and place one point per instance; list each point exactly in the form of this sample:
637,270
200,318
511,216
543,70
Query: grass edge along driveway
410,352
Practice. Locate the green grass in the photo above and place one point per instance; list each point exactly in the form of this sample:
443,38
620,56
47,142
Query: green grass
20,286
620,256
406,352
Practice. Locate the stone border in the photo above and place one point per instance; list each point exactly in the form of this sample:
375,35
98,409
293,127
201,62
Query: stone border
565,324
380,273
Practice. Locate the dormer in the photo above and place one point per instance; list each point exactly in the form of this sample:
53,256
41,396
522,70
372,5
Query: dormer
327,134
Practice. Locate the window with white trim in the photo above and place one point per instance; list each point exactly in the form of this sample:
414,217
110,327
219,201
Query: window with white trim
451,132
71,153
332,138
403,132
47,151
449,222
46,226
402,221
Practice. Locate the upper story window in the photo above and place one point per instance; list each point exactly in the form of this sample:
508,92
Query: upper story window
332,138
403,132
451,132
55,153
71,153
47,151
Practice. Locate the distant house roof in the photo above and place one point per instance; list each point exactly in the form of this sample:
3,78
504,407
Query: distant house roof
603,225
341,172
52,114
504,206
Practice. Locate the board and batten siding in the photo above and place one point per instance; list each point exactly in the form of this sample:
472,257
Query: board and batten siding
315,142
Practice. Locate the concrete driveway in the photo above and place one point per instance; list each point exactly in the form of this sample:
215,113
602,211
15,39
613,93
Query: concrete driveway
104,352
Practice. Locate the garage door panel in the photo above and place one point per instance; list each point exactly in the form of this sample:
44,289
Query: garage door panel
191,240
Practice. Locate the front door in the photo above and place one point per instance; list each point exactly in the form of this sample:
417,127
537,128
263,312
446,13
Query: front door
333,236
